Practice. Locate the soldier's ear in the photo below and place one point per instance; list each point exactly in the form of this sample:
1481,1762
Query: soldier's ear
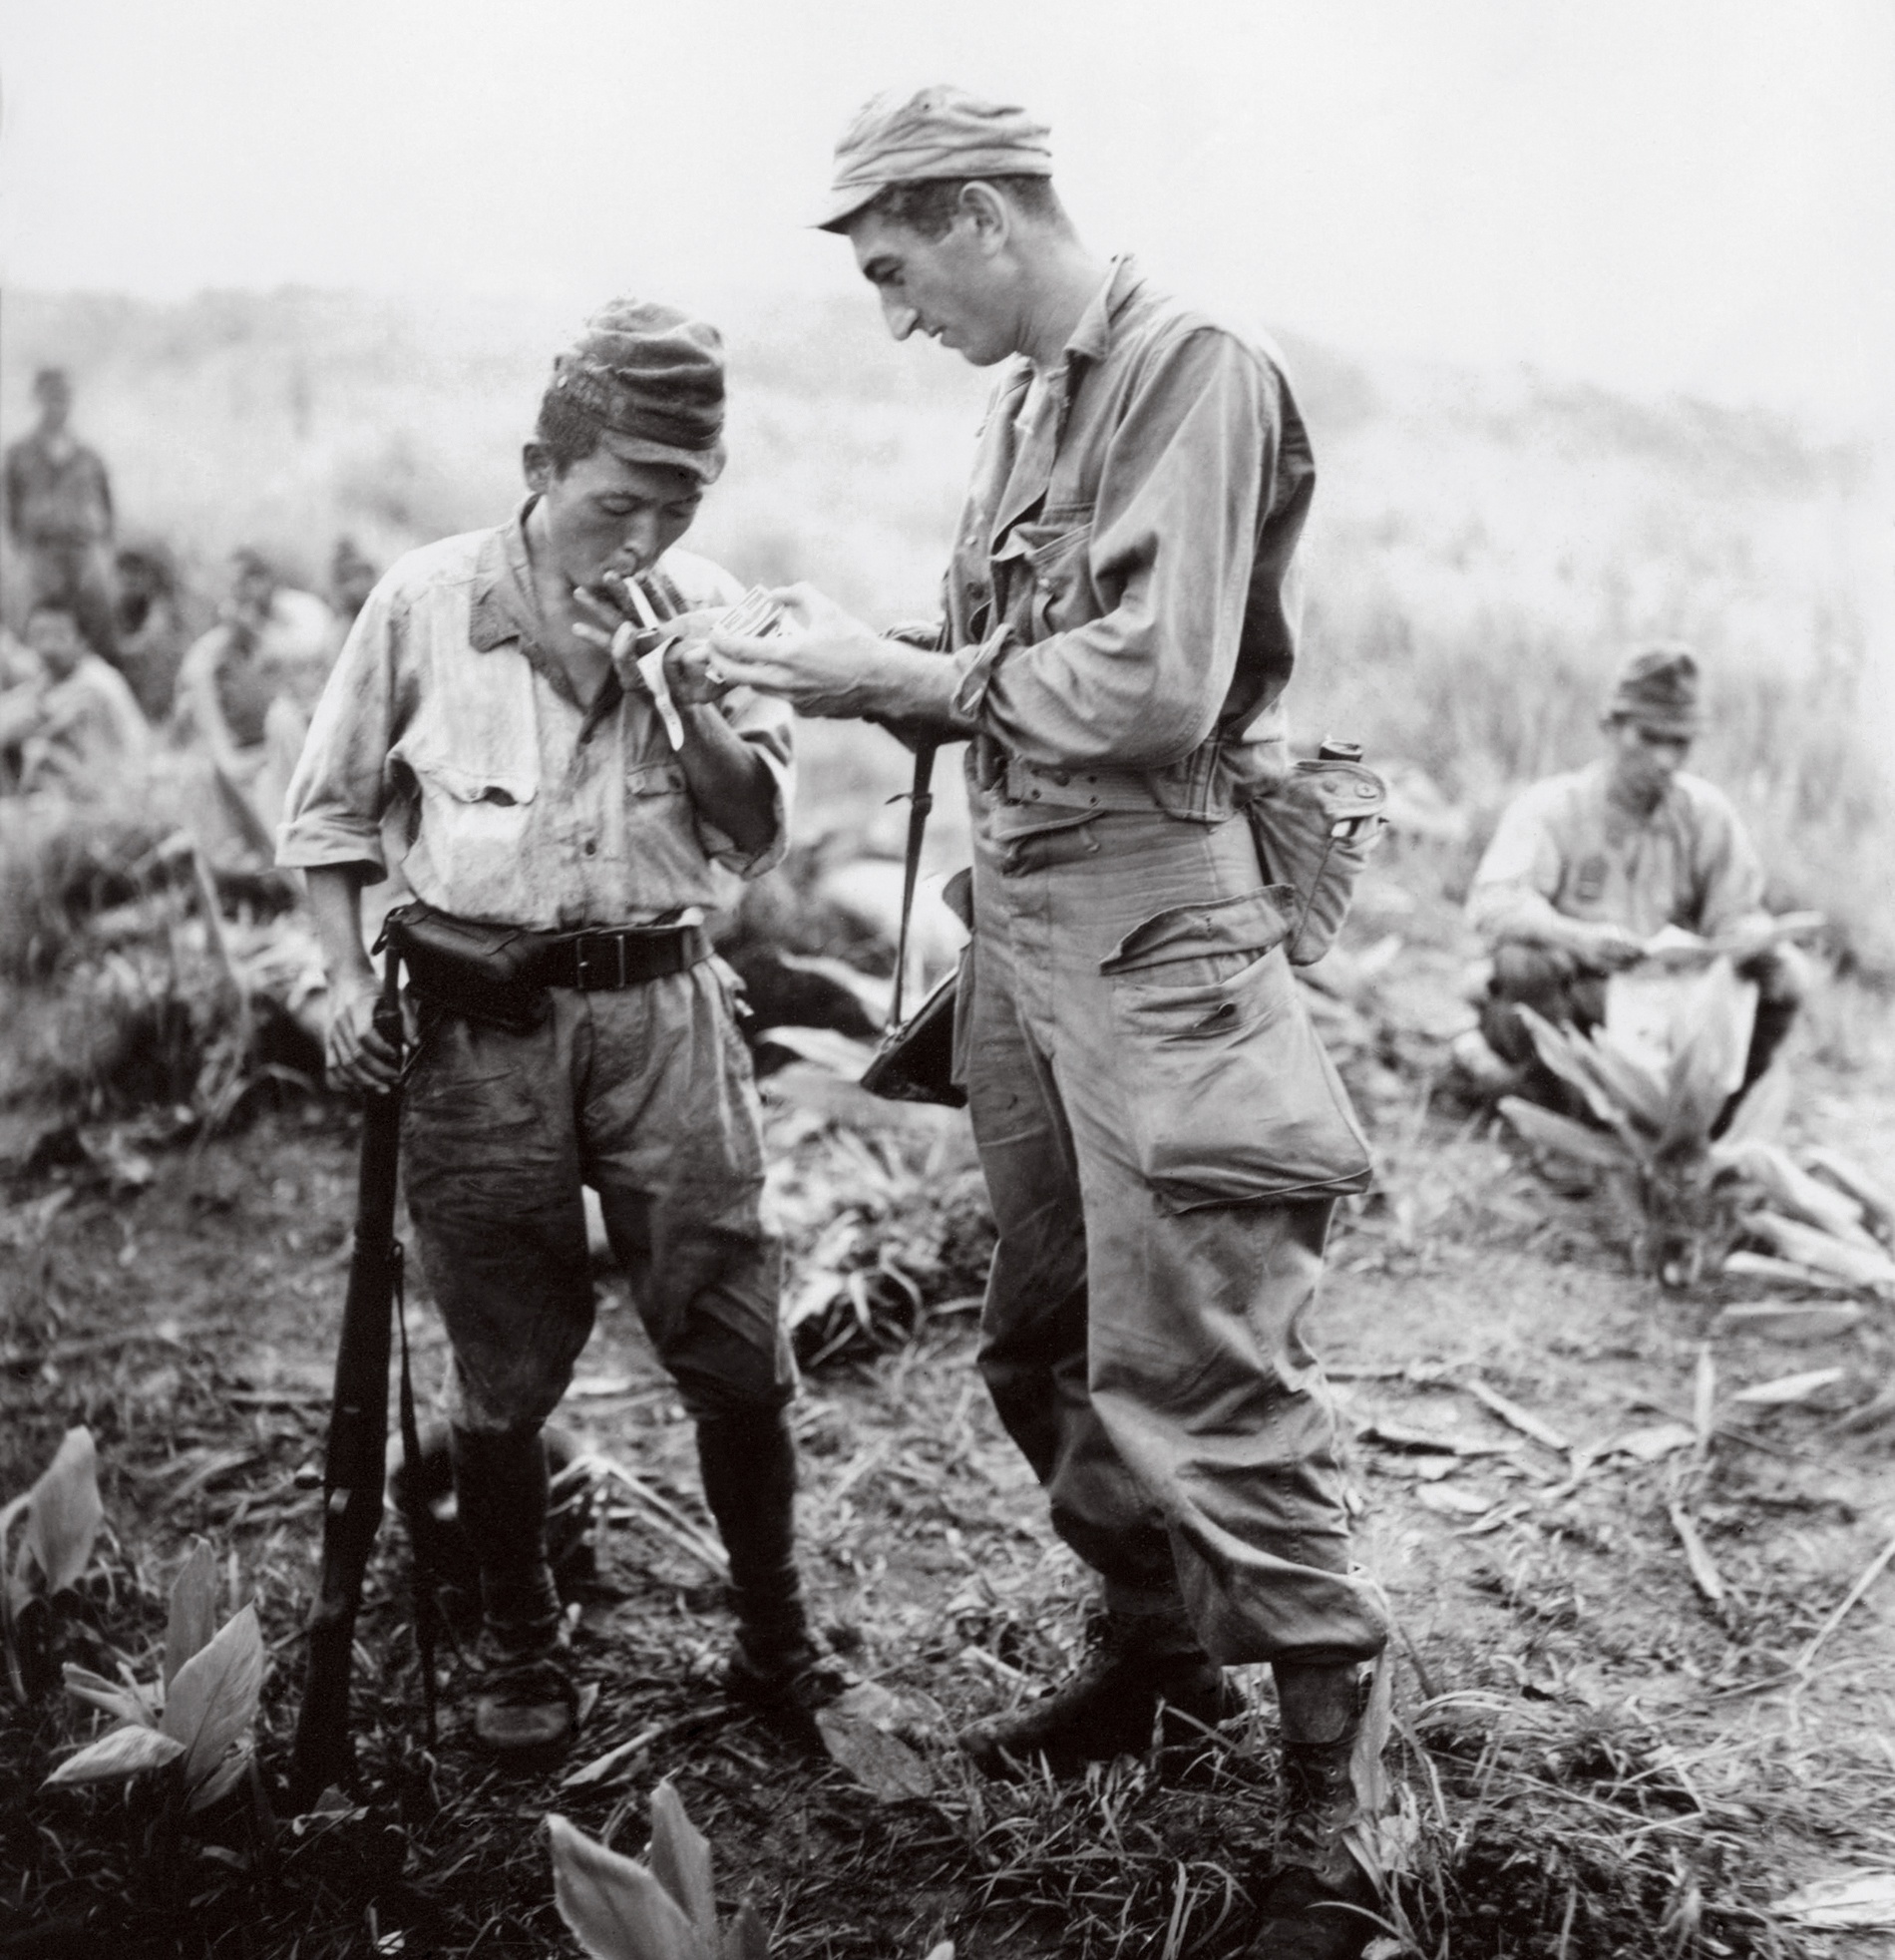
535,461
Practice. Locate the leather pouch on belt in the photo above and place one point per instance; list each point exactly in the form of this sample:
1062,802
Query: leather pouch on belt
481,972
1230,1096
1314,834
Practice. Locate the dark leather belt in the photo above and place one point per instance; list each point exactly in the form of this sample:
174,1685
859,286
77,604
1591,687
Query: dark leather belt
605,962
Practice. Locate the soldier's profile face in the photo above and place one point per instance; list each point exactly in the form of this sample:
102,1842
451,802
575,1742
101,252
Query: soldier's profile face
944,287
609,512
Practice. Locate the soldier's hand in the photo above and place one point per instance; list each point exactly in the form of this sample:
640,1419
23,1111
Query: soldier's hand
821,659
356,1056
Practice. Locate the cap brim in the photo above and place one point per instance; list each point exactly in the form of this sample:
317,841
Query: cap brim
1673,727
841,206
706,464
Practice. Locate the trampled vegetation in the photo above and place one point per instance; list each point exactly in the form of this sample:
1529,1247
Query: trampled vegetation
1637,1541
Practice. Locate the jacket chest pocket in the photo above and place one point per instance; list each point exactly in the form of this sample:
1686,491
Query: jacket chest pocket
1047,573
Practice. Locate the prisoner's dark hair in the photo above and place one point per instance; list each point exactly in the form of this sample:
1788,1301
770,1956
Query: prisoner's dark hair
568,431
928,204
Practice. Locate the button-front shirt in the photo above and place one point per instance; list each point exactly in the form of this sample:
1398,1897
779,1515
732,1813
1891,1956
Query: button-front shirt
57,493
449,738
1566,848
1123,586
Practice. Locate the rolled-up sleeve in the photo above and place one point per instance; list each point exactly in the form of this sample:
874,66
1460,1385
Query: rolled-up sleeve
766,726
1173,538
1518,877
332,813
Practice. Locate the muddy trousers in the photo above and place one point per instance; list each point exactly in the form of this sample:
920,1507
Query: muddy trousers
646,1094
1153,1365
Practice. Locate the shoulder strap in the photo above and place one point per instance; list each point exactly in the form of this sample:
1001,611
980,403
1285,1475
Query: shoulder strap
921,801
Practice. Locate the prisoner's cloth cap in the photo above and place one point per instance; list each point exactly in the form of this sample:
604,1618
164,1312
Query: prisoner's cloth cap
655,377
1658,689
939,132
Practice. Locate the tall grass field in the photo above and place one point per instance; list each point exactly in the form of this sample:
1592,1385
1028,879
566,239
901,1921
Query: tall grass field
1485,546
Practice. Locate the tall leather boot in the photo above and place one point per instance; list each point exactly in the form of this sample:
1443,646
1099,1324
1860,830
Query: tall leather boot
1319,1903
1138,1669
748,1463
526,1699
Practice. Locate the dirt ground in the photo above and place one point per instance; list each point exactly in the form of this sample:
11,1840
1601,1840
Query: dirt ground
1602,1760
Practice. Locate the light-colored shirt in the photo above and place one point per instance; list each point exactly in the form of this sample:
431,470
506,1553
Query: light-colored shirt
1123,594
85,725
446,730
228,679
1565,848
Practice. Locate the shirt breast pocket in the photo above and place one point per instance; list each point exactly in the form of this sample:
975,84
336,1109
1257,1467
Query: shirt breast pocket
1050,577
469,814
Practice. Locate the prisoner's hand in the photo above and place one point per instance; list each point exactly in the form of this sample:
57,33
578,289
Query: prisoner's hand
821,659
357,1057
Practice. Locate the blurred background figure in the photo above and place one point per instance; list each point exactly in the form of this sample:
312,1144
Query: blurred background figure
246,690
352,577
149,622
58,513
1587,868
74,724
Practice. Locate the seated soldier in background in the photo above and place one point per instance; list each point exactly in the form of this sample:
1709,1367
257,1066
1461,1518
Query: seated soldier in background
351,579
247,688
75,723
1586,867
151,626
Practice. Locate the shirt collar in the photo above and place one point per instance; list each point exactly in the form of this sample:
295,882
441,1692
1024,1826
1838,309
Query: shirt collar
505,607
1092,339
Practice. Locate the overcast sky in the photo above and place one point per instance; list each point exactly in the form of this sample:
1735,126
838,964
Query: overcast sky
1693,194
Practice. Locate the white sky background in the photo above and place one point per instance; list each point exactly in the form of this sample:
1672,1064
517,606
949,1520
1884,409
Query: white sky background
1661,193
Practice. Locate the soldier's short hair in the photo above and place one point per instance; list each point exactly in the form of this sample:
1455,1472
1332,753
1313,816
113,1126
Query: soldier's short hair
927,204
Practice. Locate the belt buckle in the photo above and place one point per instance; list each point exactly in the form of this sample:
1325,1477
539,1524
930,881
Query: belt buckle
591,971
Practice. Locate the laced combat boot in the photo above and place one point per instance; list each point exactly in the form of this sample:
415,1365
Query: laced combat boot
778,1665
525,1702
1319,1902
1140,1674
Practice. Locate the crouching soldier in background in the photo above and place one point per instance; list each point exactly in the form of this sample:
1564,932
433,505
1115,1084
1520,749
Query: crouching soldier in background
479,719
1162,1136
1586,867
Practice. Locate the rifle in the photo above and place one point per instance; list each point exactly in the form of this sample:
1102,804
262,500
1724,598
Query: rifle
354,1465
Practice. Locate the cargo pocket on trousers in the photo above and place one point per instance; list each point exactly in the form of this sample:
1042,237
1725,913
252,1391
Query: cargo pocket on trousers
1231,1098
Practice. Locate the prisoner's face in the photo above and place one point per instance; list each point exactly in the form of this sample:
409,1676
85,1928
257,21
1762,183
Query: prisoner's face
54,636
949,288
608,513
1643,760
56,403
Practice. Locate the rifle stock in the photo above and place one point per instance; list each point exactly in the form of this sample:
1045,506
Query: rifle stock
354,1465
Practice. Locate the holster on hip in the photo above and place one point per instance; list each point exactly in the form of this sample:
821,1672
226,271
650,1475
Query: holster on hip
482,972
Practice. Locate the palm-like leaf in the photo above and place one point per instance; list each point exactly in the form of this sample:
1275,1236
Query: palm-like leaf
212,1700
123,1752
1556,1132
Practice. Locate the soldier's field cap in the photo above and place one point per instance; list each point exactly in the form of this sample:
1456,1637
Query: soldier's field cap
937,131
1657,689
655,377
